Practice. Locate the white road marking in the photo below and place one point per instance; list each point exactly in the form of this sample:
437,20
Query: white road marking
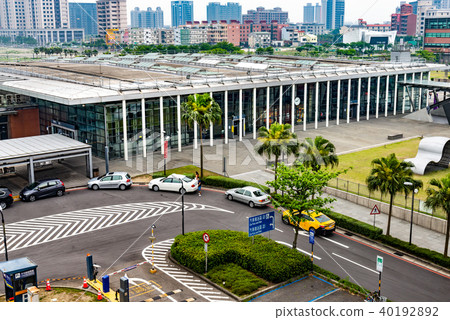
302,251
335,242
132,281
359,265
278,230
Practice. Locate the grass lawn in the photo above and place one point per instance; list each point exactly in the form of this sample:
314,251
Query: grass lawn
181,170
361,163
438,75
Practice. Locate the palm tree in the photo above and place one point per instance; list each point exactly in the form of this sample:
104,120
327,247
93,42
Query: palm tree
203,110
317,153
388,176
440,197
276,140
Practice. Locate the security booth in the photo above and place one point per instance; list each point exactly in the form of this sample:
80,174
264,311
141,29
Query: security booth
18,275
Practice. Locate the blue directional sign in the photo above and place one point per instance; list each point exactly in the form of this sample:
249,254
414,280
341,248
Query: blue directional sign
261,223
311,235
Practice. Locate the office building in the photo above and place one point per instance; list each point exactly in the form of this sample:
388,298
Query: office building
182,12
437,31
261,14
232,11
112,14
308,13
147,19
29,14
84,16
335,10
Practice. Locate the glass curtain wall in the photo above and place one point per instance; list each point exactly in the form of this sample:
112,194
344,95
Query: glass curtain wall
134,127
408,96
286,115
311,105
353,99
218,128
233,114
261,100
247,111
333,101
152,125
401,93
382,99
373,95
391,95
322,101
171,121
114,125
363,98
274,105
298,110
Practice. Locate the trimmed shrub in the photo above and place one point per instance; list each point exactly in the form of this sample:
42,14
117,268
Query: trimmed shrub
356,225
161,174
228,183
265,258
236,279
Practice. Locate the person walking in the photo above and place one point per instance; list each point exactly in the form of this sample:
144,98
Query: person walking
199,187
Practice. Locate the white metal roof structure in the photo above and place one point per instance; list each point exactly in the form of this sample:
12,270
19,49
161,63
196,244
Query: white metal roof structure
432,151
21,151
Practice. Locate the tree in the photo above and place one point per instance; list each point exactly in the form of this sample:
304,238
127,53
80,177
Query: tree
317,153
203,110
298,185
440,198
388,176
276,140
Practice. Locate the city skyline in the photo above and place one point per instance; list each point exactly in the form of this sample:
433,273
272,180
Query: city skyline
375,11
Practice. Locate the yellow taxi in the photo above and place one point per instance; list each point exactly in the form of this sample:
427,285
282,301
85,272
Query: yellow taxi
307,220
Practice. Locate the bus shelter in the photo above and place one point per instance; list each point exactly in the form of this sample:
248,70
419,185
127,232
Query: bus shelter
18,276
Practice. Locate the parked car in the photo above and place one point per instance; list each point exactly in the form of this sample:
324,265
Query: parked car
42,188
111,180
174,182
249,195
321,223
6,198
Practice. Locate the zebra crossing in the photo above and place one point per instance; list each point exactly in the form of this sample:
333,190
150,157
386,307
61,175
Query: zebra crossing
190,281
37,231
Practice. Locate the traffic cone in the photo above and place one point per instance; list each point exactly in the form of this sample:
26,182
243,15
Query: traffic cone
99,296
47,286
85,285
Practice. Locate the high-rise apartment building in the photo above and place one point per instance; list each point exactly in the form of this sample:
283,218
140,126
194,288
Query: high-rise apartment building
441,4
30,14
147,19
422,7
405,21
182,12
261,14
83,16
318,13
111,14
308,13
217,12
335,10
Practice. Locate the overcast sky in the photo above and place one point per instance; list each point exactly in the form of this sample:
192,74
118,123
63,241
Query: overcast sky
373,11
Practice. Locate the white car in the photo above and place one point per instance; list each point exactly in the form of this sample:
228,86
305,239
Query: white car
174,182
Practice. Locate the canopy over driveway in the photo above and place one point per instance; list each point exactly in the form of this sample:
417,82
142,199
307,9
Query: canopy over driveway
31,150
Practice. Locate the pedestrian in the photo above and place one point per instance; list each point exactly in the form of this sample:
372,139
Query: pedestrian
197,177
199,187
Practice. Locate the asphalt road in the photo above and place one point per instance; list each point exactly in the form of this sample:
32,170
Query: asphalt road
120,243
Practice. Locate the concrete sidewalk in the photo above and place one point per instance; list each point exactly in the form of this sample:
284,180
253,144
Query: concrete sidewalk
421,237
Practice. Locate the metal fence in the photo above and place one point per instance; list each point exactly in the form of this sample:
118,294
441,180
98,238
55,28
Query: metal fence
400,200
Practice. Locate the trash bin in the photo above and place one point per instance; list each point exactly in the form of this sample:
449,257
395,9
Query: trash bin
95,172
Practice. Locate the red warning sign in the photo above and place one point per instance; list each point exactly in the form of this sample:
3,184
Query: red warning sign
375,210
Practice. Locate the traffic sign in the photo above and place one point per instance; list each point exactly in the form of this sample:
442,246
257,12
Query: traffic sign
205,237
379,263
312,233
261,223
375,210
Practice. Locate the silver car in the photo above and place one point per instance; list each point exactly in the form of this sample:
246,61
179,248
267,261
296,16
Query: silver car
249,195
111,180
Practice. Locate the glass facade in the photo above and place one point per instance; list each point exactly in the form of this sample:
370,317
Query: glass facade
102,124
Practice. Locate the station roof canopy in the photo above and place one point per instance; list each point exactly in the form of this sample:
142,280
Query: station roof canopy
21,151
427,84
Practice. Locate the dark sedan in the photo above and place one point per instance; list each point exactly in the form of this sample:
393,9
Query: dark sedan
6,198
42,189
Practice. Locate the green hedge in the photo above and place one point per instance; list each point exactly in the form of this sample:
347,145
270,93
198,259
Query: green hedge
424,253
161,174
375,233
356,225
265,258
229,183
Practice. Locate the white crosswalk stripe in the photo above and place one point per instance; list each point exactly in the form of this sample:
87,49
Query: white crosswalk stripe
33,232
202,288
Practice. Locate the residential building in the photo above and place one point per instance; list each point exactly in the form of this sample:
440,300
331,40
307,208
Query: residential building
147,19
312,28
318,14
269,15
297,37
405,21
182,12
437,31
84,16
374,27
217,32
335,10
29,14
45,36
259,40
111,14
229,12
422,7
308,13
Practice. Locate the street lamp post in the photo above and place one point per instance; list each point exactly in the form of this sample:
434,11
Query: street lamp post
4,234
412,208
